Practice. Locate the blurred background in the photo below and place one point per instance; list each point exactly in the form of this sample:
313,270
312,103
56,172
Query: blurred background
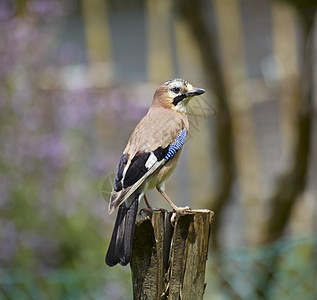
76,76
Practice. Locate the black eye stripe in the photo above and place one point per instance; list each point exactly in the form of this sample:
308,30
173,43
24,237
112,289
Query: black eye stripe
179,98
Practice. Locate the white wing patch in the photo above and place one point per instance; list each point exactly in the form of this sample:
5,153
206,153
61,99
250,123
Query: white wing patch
151,161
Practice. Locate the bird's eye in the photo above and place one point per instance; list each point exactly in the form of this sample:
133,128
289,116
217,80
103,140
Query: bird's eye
176,90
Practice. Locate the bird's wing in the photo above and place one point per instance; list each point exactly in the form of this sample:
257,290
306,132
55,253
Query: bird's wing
141,161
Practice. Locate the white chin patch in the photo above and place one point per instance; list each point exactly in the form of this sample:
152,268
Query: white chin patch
151,161
181,106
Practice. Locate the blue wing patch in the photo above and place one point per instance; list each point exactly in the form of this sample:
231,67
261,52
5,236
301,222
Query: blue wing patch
179,142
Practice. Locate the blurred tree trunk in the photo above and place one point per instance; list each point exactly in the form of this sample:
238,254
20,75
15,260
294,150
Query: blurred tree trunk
291,184
192,11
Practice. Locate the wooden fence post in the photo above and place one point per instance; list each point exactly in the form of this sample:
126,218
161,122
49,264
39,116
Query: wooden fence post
169,262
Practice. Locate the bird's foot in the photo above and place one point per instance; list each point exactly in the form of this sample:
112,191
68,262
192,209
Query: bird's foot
145,212
180,209
147,209
176,210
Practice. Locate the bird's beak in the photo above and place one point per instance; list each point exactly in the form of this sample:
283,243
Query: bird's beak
195,92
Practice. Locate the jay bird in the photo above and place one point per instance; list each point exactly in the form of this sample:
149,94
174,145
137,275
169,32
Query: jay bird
149,158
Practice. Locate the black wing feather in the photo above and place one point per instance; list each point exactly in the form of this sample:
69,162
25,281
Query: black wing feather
117,185
136,169
160,153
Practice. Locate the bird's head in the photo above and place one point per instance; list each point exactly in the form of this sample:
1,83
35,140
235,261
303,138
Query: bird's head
175,94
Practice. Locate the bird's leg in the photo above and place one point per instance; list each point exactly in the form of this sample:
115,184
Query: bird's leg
147,203
175,208
146,211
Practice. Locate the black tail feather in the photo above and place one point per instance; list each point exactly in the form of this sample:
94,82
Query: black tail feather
120,247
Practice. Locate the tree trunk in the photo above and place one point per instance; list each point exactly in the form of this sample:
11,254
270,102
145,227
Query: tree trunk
169,262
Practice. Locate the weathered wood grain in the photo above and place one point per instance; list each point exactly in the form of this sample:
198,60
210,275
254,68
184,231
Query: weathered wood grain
169,262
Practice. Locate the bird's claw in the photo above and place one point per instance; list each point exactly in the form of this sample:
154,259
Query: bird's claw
176,210
145,212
